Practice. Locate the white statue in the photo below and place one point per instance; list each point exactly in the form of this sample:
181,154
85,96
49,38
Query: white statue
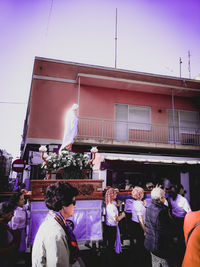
71,127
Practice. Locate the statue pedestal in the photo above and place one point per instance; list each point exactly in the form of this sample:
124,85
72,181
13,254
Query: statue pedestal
89,189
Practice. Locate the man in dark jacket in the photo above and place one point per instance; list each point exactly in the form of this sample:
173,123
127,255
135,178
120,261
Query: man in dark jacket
158,234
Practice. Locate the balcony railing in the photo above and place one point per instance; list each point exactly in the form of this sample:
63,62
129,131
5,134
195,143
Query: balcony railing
103,129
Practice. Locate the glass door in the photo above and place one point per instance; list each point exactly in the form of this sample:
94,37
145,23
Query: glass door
121,122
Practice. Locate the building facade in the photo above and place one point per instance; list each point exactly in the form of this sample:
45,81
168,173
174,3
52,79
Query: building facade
146,127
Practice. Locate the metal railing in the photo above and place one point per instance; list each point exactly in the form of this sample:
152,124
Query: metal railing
103,129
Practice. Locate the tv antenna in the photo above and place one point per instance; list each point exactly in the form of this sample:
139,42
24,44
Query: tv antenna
189,67
180,62
116,39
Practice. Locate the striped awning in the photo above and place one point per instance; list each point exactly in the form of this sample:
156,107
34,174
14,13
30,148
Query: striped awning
151,159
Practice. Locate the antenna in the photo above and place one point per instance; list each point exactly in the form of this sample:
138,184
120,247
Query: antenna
180,62
189,68
49,18
116,39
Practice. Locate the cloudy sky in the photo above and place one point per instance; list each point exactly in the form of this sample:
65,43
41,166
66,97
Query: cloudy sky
152,36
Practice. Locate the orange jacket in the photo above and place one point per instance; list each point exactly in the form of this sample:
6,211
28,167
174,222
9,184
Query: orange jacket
192,253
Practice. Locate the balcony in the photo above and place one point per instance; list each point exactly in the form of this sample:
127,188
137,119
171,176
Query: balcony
108,132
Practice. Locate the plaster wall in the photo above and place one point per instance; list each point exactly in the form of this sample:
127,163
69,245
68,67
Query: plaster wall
50,100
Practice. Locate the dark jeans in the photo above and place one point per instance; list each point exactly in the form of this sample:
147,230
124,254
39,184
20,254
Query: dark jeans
137,234
181,240
141,255
128,224
111,232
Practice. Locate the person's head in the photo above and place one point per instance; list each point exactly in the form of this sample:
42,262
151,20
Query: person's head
61,197
17,199
111,195
75,109
6,212
158,194
138,193
149,185
173,192
180,189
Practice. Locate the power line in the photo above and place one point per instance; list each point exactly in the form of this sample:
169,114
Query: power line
13,103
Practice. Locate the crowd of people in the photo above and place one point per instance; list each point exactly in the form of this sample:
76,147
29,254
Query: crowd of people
14,217
163,231
156,227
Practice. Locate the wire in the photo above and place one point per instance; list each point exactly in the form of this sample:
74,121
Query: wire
14,103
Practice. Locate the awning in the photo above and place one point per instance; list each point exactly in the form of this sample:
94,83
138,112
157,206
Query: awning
150,158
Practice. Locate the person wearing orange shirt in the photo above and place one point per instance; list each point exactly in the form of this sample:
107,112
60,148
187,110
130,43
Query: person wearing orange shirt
192,255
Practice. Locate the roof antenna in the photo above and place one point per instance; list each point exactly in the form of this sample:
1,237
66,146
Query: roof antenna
49,18
180,62
189,68
116,39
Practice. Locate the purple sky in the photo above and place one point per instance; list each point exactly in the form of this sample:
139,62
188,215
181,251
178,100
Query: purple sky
152,35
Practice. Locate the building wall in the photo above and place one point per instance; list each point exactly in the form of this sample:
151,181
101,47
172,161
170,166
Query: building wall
49,103
50,100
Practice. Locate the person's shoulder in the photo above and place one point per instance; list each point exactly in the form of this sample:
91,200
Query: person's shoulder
183,199
51,227
139,203
193,215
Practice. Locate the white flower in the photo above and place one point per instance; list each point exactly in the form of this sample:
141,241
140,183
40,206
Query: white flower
43,149
45,155
94,149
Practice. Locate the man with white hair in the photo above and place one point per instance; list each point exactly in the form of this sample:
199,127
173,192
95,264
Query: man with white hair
159,230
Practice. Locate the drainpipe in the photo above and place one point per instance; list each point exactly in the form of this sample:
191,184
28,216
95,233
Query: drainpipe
78,94
173,115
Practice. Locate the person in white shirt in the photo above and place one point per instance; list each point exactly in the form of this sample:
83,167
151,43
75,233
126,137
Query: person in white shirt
55,244
138,224
138,208
112,219
20,218
179,208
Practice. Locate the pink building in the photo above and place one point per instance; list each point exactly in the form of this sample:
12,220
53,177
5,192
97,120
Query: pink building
146,127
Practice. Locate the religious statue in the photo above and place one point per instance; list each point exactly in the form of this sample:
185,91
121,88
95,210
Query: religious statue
71,127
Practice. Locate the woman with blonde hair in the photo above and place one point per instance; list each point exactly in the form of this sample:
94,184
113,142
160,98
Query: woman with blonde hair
138,219
138,208
112,219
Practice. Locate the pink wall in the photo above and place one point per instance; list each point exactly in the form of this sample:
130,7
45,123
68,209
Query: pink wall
100,103
49,102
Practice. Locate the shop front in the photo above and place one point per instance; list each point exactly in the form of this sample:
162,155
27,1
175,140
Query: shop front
125,171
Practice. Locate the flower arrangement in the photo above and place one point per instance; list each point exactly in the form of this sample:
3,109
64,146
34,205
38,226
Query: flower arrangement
68,163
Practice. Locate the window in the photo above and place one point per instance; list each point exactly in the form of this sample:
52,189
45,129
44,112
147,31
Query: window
186,121
135,117
139,117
